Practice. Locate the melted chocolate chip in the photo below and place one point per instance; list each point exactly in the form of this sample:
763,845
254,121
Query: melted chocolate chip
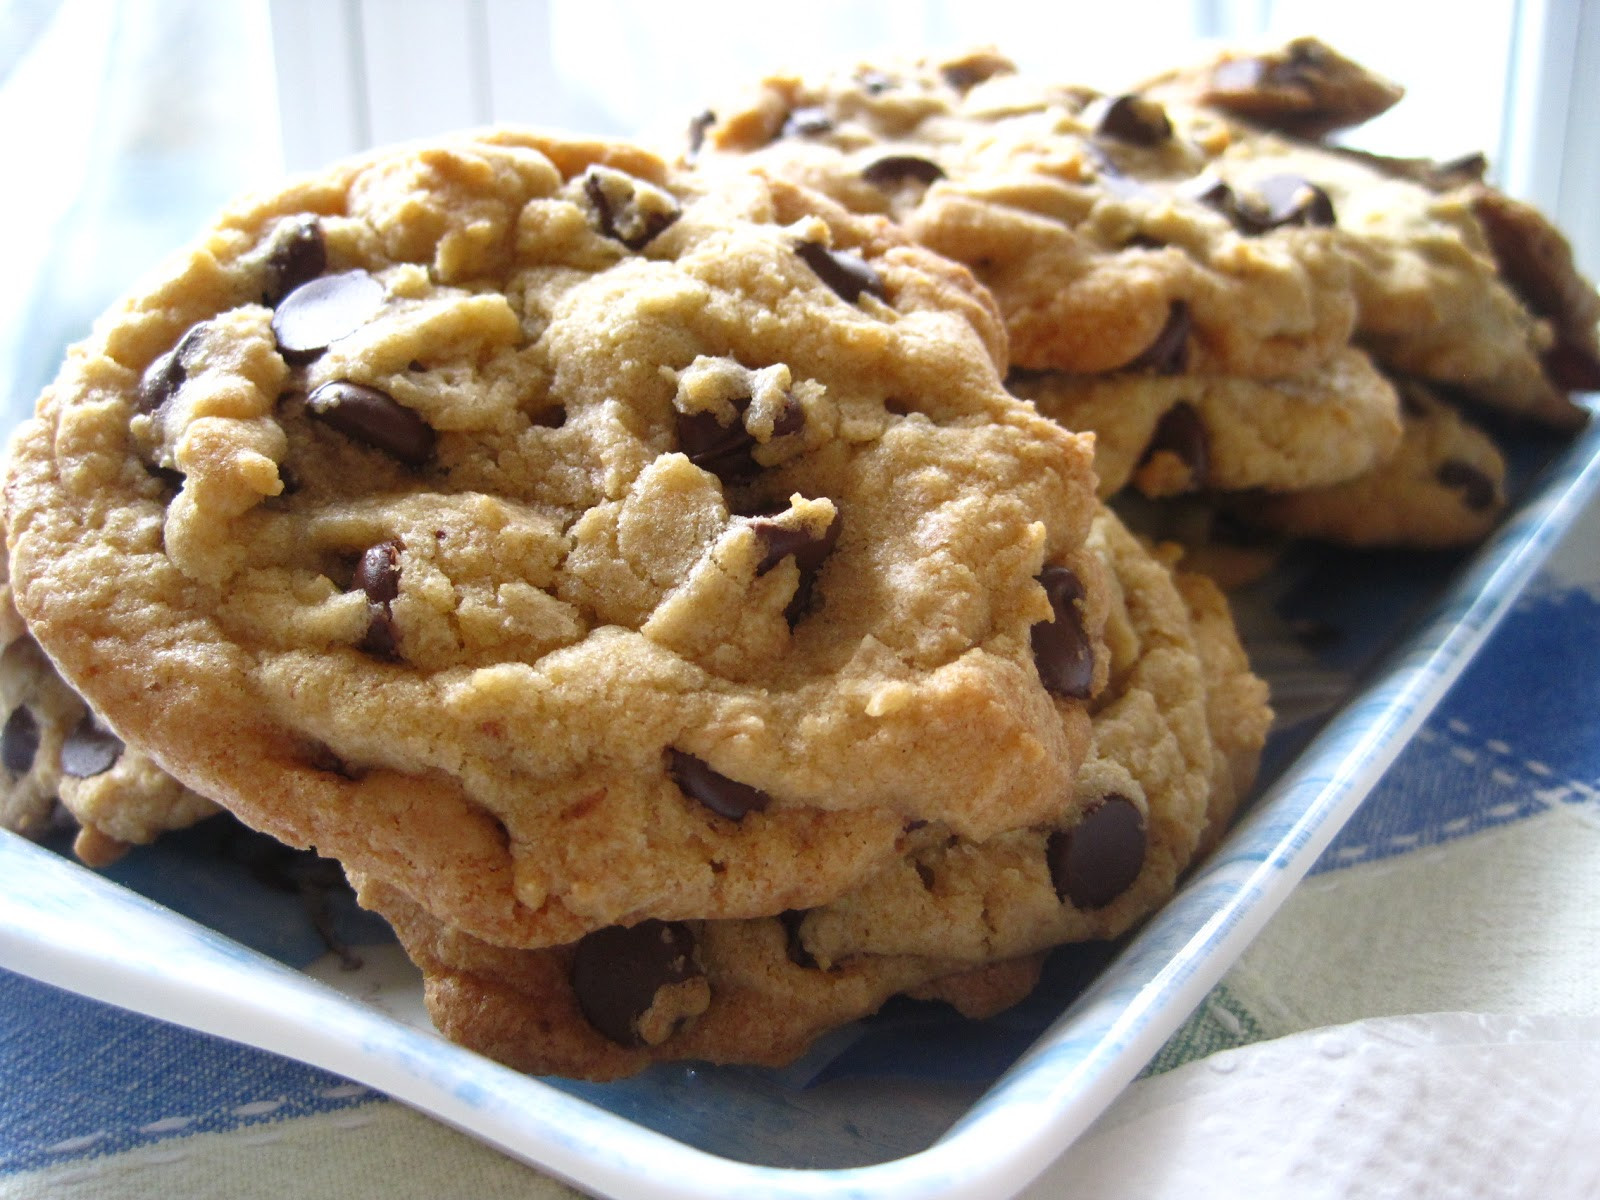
846,272
378,575
320,312
1129,118
1062,651
792,418
1169,353
298,255
1181,432
1478,491
166,374
1572,368
617,972
1098,859
724,450
374,418
808,552
791,920
894,169
723,796
89,750
1272,203
1279,201
812,121
699,125
781,541
622,217
19,741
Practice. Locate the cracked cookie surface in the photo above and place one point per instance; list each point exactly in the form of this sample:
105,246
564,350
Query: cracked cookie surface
565,540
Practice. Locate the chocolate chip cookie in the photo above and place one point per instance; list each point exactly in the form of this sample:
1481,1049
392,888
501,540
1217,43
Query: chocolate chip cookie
1170,434
1178,732
564,540
620,999
1444,487
60,761
1177,738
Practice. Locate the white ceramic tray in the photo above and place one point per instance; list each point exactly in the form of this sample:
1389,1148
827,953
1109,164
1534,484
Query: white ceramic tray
913,1103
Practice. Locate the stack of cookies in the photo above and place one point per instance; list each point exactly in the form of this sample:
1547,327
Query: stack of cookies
683,596
1317,341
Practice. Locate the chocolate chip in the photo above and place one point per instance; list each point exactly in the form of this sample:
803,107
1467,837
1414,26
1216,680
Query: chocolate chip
699,125
964,76
298,255
1211,190
378,575
1061,648
781,541
166,374
622,214
791,418
808,552
724,450
1272,203
19,741
617,973
876,82
1572,368
320,312
89,750
794,948
1181,432
894,169
925,875
1169,353
378,572
1098,859
1411,404
1279,201
811,121
1478,491
1129,118
374,418
723,796
845,271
